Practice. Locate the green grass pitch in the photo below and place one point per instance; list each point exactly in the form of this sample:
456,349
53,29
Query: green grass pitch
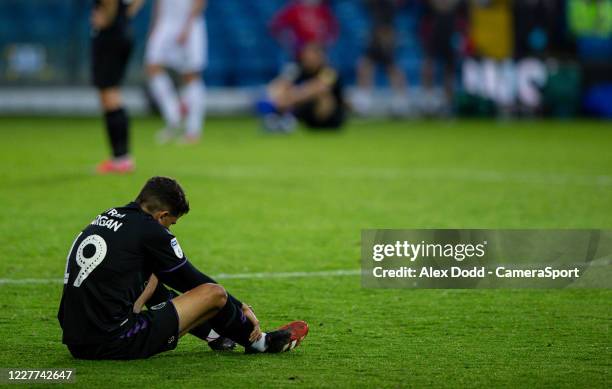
297,203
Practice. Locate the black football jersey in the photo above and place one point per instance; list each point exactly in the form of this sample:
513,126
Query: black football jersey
107,269
120,25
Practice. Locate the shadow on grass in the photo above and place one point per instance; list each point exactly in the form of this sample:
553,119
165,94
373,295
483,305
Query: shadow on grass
65,359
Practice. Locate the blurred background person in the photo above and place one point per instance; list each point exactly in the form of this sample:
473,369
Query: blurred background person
541,35
111,48
305,21
440,24
310,91
178,41
491,28
540,29
590,23
491,38
509,57
381,52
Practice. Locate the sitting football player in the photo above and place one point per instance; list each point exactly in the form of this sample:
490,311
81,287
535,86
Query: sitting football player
310,91
123,260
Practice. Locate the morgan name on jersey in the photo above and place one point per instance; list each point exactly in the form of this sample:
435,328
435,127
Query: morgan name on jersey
109,220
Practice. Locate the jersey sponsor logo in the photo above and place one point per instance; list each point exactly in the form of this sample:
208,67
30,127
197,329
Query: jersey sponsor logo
176,247
158,306
113,212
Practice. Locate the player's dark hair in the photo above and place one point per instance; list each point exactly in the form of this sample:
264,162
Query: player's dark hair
163,193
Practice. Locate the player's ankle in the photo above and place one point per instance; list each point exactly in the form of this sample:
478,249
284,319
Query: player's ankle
122,159
260,344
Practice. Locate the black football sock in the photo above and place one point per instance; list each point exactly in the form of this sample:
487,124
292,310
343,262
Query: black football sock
231,322
202,331
117,128
162,294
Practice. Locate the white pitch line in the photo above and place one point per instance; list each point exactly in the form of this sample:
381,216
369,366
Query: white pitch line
18,281
222,276
295,274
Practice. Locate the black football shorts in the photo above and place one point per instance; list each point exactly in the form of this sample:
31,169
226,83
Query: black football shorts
148,333
110,55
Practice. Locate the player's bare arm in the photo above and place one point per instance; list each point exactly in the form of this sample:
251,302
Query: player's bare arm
196,10
287,96
303,93
134,8
103,15
146,294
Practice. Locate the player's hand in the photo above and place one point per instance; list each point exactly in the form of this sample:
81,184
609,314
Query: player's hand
99,20
182,37
248,312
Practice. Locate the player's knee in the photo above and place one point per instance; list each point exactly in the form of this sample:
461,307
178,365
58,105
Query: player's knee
190,77
153,70
216,293
110,99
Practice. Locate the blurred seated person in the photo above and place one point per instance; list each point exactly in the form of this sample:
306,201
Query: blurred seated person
310,91
441,21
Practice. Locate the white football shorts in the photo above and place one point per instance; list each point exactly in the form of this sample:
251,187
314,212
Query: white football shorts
163,48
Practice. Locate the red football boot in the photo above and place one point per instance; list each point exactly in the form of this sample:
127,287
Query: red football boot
285,338
110,166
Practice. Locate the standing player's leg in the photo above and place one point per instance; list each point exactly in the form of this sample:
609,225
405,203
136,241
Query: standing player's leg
193,93
109,62
167,100
193,96
116,121
365,84
160,84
